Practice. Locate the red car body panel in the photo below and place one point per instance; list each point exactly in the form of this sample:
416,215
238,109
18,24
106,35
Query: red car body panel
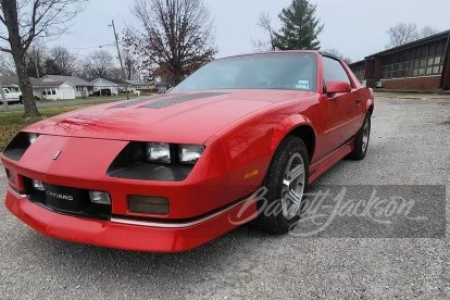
241,129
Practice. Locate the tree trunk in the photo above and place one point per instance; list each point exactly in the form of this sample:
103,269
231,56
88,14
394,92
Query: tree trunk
26,88
18,51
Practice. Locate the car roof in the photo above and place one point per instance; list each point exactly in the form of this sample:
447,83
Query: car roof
279,52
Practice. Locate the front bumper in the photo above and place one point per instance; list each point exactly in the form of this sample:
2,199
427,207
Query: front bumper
131,234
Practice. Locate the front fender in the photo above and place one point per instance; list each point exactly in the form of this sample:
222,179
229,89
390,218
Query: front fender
369,105
284,128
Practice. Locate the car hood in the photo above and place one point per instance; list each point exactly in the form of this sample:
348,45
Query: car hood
190,117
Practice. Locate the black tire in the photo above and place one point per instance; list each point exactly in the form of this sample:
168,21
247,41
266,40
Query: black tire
289,149
360,151
21,100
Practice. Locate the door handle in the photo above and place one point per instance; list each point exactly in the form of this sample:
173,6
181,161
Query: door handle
358,101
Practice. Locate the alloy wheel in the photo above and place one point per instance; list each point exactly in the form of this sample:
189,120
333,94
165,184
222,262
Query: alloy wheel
293,186
366,134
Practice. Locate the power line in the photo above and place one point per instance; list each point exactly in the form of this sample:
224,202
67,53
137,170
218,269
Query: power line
78,48
94,47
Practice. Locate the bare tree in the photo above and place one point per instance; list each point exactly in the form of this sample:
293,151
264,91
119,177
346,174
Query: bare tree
6,65
35,60
64,60
175,35
115,74
338,54
25,20
427,31
402,33
136,60
131,66
98,64
265,23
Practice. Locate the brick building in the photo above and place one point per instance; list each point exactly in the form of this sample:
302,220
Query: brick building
420,65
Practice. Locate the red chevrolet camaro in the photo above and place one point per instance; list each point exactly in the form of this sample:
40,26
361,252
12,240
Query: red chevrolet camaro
172,172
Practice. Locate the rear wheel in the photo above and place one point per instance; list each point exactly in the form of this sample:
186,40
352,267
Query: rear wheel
362,141
286,182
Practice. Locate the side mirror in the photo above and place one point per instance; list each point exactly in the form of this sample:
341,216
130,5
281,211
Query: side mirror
335,87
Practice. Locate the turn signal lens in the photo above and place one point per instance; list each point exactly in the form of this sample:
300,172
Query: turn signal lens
38,185
100,197
148,205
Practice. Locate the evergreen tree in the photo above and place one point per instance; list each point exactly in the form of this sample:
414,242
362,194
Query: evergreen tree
300,27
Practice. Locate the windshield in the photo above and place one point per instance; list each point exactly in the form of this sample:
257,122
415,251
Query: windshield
259,71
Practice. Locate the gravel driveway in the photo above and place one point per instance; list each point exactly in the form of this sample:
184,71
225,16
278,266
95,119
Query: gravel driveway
410,145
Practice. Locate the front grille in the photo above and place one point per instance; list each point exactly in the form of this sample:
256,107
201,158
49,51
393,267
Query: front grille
67,200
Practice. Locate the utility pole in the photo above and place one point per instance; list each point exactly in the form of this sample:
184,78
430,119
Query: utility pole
120,59
2,92
36,63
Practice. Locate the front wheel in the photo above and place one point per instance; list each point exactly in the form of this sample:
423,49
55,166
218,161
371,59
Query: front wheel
362,141
286,182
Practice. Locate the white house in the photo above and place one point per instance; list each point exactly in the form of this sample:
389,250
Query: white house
56,90
12,83
81,86
51,90
100,84
135,85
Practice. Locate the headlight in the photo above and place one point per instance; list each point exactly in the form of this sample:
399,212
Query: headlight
32,137
155,161
189,154
158,152
19,144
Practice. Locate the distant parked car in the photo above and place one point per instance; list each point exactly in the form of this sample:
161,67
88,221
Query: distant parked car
12,96
104,92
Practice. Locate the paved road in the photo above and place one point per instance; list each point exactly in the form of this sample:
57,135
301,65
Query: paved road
410,145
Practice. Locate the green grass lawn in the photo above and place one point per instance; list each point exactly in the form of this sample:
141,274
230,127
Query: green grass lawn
13,122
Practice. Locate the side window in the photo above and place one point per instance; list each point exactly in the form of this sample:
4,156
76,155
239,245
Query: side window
333,71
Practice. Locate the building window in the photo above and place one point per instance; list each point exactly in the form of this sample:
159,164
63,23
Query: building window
359,70
426,60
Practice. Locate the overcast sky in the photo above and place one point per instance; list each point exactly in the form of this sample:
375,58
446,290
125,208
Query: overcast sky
355,27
